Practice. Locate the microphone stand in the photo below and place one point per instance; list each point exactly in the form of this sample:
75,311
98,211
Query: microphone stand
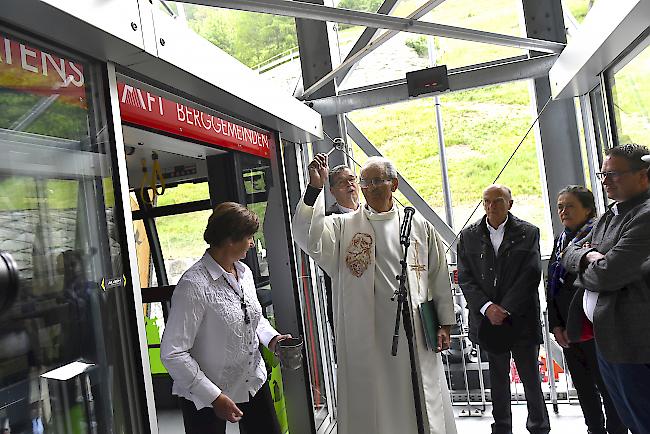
404,310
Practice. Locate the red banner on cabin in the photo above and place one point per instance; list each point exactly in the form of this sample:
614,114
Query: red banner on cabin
144,108
27,69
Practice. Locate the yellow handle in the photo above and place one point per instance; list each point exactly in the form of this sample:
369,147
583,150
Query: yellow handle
157,176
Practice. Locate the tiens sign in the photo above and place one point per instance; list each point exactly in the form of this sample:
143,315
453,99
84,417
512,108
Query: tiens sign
144,108
27,69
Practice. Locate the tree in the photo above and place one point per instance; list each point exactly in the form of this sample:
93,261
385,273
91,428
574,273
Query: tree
249,37
361,5
213,24
358,5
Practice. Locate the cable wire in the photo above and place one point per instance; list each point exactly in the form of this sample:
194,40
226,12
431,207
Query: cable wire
339,144
501,171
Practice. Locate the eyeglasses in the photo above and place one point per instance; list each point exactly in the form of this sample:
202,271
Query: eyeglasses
365,183
346,181
613,175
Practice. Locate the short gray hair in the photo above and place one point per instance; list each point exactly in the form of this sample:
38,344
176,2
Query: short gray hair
385,164
335,172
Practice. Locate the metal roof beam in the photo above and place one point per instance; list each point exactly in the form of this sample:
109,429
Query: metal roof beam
468,77
385,9
354,57
298,9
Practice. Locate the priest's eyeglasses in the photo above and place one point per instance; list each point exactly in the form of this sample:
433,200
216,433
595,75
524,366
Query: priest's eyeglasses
365,183
614,176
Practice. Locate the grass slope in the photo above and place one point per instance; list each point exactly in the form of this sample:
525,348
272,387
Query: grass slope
481,128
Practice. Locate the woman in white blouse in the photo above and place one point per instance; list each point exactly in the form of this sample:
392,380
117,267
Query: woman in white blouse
210,344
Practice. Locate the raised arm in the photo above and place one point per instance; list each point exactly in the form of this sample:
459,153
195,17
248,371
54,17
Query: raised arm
622,264
573,254
312,231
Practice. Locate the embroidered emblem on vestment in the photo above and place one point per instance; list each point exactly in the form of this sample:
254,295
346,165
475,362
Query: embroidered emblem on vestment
357,257
416,266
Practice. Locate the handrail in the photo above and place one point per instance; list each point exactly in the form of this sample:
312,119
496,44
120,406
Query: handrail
277,60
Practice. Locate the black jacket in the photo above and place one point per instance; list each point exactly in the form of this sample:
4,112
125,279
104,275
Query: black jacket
510,279
622,280
558,306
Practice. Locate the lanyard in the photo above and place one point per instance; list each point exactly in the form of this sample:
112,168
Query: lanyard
242,301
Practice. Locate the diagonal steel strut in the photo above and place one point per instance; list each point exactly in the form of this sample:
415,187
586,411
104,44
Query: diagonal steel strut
299,9
354,58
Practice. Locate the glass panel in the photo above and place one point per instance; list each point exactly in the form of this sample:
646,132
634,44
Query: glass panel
598,114
256,174
317,359
498,16
252,38
408,51
256,178
630,90
481,129
579,8
58,222
181,241
183,193
142,248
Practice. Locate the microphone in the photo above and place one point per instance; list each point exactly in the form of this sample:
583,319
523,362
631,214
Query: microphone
405,230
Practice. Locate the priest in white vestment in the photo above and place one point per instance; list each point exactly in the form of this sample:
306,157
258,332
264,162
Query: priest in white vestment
361,252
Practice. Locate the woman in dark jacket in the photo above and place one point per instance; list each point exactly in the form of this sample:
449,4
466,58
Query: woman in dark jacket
577,210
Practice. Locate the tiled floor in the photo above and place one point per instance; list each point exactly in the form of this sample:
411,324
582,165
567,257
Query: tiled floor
568,420
171,422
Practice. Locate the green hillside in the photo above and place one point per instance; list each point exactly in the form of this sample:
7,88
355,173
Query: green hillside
481,127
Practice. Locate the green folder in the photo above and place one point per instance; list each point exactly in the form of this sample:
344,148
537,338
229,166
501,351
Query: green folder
430,324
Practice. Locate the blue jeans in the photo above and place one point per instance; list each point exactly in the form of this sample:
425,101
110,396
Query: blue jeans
629,387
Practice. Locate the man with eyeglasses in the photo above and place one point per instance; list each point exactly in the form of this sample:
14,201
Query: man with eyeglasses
499,269
361,251
614,273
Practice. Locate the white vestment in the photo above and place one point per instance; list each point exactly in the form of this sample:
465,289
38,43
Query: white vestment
375,395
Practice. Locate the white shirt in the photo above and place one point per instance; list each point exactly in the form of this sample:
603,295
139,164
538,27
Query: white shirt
345,210
207,347
496,237
590,298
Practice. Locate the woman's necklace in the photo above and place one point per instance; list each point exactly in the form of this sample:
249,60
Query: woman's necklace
242,300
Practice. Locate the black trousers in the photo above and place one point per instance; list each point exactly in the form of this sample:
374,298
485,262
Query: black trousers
528,368
259,416
583,365
629,386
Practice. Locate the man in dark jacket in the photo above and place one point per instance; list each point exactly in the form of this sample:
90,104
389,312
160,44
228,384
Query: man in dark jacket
499,271
344,186
611,265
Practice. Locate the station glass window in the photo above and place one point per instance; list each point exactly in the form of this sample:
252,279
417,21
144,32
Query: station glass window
630,84
181,241
66,363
